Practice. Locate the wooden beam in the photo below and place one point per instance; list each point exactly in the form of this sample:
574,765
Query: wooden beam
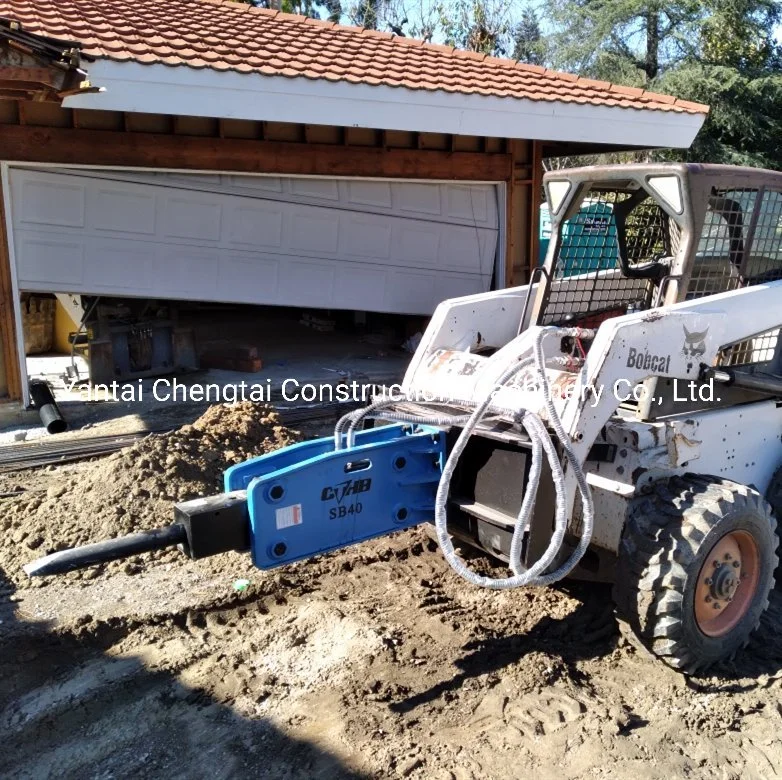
154,150
7,321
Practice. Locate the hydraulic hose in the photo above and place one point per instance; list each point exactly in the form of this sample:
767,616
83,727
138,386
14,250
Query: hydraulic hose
541,442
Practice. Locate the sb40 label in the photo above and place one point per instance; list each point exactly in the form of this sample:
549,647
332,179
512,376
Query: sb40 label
345,510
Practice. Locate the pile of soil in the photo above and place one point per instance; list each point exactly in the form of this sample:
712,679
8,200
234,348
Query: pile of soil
135,489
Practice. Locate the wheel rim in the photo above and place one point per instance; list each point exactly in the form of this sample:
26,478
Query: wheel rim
727,583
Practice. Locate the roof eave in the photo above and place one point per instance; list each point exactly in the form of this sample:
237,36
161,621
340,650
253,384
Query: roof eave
187,91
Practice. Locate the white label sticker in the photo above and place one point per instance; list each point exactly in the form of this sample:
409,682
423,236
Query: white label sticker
288,516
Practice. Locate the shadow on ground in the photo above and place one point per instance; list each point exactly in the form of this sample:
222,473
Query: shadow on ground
72,704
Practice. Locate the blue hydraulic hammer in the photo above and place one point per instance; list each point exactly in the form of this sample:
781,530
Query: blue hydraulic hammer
303,500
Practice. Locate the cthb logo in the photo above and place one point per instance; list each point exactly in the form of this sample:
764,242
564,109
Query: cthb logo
350,487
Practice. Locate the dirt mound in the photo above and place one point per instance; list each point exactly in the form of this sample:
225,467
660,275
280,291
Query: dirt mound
134,489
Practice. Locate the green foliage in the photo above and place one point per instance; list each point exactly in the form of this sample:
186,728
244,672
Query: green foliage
528,43
744,126
476,25
738,33
719,52
365,13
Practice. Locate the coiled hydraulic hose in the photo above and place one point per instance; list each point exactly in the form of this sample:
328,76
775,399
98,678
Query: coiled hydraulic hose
541,442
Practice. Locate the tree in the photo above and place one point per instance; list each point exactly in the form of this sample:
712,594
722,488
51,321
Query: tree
366,13
636,38
739,33
528,43
476,25
720,52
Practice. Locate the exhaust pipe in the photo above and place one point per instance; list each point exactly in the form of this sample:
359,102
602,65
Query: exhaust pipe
47,407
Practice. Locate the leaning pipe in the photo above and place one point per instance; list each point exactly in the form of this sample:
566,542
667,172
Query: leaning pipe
47,407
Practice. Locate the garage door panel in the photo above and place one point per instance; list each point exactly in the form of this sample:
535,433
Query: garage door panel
323,189
467,250
453,286
454,206
121,210
418,199
161,240
365,237
410,292
191,271
369,193
358,287
254,226
46,202
263,184
468,203
50,260
307,283
314,230
120,264
418,243
192,218
249,279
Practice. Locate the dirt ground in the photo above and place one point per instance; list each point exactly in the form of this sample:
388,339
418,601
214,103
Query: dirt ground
372,662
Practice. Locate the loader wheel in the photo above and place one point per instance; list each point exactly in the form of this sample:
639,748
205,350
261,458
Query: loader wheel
695,569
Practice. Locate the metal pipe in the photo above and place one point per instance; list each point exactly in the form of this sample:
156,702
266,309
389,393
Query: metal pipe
110,550
761,383
47,407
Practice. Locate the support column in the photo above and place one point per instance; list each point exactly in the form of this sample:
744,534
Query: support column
9,356
523,210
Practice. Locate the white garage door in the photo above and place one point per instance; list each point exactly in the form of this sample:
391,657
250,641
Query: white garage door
339,244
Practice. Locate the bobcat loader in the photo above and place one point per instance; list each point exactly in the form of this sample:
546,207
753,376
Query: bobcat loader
618,419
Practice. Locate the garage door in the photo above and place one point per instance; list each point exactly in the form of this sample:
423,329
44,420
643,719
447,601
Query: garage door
340,244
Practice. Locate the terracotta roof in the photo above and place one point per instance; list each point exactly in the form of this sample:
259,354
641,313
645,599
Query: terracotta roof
224,35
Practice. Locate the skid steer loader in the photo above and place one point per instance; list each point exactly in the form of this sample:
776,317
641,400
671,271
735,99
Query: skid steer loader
615,421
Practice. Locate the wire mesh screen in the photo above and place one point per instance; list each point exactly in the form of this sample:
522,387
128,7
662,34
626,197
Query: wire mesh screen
761,348
717,263
587,284
740,244
763,261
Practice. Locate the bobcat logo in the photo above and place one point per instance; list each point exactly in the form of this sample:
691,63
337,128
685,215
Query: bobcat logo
694,343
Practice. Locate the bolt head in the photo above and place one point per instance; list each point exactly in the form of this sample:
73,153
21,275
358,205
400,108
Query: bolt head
708,598
717,605
727,556
707,581
715,564
736,564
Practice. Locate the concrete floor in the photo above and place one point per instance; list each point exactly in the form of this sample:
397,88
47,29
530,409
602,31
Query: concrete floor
300,367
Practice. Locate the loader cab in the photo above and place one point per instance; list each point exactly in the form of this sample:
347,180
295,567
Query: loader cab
613,242
679,232
666,233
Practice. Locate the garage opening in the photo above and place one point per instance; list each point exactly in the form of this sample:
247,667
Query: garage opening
142,275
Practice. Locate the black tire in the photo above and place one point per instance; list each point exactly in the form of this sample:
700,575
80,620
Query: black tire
667,538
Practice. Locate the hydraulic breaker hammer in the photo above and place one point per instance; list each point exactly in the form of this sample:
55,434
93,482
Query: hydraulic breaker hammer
306,499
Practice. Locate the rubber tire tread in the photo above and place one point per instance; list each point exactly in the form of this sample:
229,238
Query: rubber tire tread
668,533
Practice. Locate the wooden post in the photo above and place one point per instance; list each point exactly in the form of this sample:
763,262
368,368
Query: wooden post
536,196
8,349
518,214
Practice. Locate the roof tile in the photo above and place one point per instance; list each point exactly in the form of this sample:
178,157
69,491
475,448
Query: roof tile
224,35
